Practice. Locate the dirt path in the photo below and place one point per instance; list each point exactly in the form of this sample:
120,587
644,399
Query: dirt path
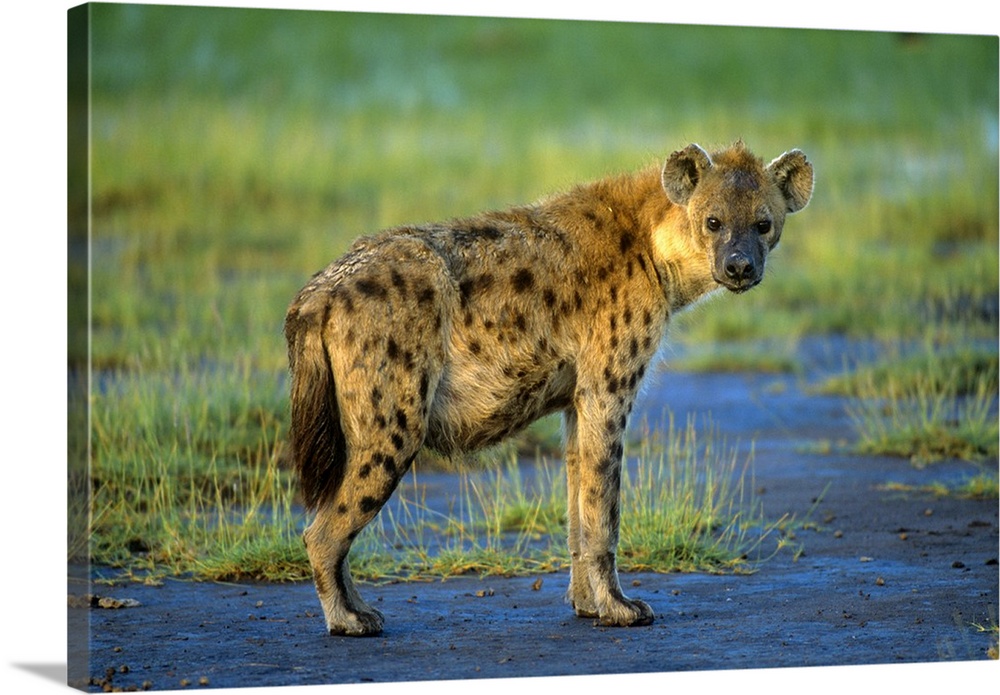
885,578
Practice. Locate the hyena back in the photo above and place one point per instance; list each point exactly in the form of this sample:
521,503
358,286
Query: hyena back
457,335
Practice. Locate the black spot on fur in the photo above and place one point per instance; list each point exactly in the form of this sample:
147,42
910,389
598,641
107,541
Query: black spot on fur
614,293
627,316
397,441
549,297
475,348
426,295
613,513
364,471
465,288
392,349
487,230
344,295
611,380
401,420
468,287
398,281
626,242
389,465
424,385
522,280
633,348
369,505
342,508
376,396
520,323
371,288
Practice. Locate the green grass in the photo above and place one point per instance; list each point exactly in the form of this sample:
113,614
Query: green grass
686,506
962,370
983,485
937,402
236,152
927,421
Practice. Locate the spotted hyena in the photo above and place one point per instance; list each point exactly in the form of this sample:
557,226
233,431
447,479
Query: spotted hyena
457,335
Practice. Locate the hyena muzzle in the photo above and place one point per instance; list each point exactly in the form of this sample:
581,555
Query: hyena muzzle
456,335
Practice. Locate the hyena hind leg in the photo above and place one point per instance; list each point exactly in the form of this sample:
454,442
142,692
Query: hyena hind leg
328,541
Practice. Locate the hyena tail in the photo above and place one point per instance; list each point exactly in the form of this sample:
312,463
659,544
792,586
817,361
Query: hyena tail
319,449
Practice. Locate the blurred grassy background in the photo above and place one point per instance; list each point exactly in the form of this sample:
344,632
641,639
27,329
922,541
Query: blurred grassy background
235,152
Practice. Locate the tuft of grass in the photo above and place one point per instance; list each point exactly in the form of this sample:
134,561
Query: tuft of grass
926,420
981,486
934,402
746,356
687,504
961,371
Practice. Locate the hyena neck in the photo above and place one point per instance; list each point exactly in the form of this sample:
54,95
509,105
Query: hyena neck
684,270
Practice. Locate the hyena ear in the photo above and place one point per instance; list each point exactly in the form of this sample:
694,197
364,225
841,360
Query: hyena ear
682,172
794,175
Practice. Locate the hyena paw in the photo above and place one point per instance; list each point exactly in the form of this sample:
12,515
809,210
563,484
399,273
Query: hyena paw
626,613
582,601
584,608
364,622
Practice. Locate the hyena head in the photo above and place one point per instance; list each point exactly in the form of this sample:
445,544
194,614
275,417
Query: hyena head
736,206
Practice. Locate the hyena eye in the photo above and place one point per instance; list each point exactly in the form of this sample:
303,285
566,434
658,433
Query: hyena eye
764,226
713,224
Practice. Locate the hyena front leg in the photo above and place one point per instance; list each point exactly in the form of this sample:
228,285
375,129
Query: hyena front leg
371,475
595,493
580,594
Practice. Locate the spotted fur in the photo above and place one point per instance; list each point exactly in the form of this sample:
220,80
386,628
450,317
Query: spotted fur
455,336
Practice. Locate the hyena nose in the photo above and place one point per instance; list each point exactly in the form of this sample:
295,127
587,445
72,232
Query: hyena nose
739,267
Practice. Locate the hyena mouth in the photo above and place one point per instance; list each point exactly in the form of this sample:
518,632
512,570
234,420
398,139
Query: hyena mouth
738,286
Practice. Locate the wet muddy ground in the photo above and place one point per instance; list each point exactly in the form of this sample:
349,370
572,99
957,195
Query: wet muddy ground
884,577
